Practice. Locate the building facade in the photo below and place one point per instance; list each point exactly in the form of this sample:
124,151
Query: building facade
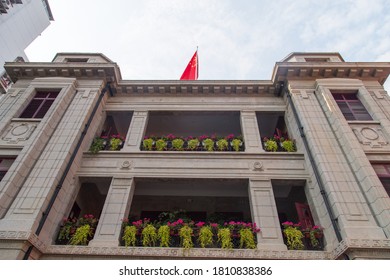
80,143
20,23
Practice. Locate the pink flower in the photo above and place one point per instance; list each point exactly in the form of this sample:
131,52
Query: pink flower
200,224
215,225
180,221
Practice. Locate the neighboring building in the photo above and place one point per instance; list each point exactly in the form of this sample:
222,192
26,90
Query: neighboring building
21,21
337,112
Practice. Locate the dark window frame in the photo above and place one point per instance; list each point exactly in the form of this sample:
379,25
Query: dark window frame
351,106
4,170
384,177
40,104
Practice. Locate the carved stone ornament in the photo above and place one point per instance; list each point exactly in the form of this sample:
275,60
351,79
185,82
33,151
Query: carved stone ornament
257,166
372,136
127,164
18,131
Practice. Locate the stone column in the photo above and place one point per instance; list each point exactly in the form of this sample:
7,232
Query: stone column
115,208
136,131
250,131
265,215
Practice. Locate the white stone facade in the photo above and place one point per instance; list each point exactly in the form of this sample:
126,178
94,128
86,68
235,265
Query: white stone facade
332,171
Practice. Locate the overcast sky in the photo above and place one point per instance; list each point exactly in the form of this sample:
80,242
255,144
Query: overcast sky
237,39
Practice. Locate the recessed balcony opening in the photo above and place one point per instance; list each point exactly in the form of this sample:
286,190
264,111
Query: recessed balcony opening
117,123
193,123
215,200
79,227
272,127
113,132
292,206
193,131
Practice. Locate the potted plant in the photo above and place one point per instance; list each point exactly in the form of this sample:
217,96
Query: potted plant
222,144
116,142
247,238
97,145
149,236
208,144
288,145
67,229
236,144
161,144
130,235
163,235
205,237
192,144
147,144
270,144
185,234
293,236
82,235
178,144
225,238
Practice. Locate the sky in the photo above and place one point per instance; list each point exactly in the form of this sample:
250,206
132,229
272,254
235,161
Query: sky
236,40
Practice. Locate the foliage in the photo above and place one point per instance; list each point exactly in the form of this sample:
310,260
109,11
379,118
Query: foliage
129,236
149,236
209,144
161,144
97,145
185,234
247,239
225,238
115,143
288,145
205,237
193,144
270,145
178,144
81,235
222,144
236,143
67,229
163,235
148,144
293,236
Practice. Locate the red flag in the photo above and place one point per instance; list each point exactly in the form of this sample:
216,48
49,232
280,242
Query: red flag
191,71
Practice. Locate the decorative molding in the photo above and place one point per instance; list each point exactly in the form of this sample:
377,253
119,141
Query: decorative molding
370,135
18,131
257,166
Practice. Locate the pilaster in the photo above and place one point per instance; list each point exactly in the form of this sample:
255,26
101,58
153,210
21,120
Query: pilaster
136,131
265,215
251,132
116,206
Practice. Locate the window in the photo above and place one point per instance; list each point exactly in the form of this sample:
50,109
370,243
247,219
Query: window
39,105
351,107
5,164
383,172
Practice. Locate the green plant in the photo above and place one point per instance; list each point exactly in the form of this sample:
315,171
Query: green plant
193,144
161,144
97,145
178,144
205,237
225,238
163,234
185,234
129,236
222,144
115,143
313,240
247,238
288,145
209,144
236,143
271,145
293,236
81,235
149,236
148,144
67,229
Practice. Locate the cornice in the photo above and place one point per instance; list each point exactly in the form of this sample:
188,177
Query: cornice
107,71
378,71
